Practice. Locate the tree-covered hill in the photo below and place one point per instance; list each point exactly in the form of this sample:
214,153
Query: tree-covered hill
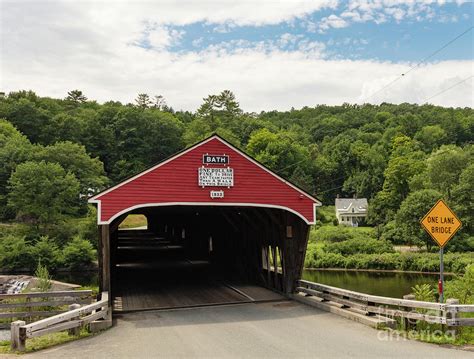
401,157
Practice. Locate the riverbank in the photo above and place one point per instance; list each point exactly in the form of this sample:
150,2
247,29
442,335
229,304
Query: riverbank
377,271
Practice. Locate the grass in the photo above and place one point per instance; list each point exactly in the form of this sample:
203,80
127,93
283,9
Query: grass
465,336
133,221
45,341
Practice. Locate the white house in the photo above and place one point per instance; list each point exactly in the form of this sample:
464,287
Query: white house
351,211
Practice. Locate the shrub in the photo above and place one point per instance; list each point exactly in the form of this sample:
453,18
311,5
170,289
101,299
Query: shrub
15,253
47,253
331,234
78,254
44,280
453,262
462,288
424,292
357,245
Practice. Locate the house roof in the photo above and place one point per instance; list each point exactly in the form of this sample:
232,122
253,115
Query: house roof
351,205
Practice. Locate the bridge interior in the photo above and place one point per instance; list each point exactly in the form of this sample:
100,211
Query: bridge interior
205,255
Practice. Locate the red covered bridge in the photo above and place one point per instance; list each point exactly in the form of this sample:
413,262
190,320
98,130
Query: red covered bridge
221,228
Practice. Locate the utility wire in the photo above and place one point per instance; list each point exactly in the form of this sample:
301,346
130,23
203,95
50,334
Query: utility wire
449,88
419,63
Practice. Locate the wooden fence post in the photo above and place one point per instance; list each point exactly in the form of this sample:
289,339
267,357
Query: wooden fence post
76,330
406,321
17,339
452,315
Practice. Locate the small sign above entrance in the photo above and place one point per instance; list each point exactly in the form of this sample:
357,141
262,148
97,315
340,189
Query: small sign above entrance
217,194
215,159
441,223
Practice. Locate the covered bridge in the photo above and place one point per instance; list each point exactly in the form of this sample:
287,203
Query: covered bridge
221,228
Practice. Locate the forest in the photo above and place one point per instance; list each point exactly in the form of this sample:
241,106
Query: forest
55,153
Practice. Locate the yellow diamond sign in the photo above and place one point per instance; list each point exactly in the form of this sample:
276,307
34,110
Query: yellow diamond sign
441,223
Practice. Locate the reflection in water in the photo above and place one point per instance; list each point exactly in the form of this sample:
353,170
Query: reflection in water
386,284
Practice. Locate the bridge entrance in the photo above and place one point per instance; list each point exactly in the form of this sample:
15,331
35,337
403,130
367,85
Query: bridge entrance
221,229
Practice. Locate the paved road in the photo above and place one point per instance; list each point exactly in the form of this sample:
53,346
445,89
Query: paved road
276,330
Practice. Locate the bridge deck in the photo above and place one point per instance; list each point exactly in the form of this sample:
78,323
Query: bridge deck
152,273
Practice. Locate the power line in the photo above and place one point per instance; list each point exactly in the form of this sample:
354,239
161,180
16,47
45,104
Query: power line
449,88
419,63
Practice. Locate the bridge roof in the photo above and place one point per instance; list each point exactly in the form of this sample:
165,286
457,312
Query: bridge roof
184,179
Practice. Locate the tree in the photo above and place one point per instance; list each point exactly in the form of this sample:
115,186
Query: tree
159,103
14,149
143,101
223,105
445,166
74,159
412,210
76,96
463,198
42,193
431,137
405,162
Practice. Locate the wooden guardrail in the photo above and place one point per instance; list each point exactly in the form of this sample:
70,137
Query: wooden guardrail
40,304
430,312
72,320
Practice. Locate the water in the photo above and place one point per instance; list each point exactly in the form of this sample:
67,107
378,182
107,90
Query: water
387,284
84,278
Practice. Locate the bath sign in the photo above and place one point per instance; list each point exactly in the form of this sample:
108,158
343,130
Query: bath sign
441,223
215,159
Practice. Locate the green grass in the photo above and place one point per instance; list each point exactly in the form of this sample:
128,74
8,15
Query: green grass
45,341
133,221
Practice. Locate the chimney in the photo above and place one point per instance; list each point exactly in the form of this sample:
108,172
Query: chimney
355,195
337,195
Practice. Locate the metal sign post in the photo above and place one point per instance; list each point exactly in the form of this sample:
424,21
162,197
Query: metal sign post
441,275
441,224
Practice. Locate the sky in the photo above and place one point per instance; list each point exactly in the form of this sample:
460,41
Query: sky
274,55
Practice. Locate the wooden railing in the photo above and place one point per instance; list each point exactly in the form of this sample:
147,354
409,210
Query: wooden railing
39,304
72,320
430,312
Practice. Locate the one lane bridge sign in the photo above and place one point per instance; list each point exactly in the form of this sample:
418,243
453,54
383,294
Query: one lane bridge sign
441,223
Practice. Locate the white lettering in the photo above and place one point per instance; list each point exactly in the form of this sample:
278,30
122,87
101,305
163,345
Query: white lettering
219,177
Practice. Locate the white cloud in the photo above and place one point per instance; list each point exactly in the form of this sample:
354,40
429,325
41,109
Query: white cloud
332,21
55,47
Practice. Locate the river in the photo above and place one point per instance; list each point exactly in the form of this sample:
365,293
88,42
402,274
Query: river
387,284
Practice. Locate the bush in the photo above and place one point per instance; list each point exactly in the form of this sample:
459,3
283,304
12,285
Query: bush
15,253
47,253
462,288
78,254
356,245
44,279
331,234
429,262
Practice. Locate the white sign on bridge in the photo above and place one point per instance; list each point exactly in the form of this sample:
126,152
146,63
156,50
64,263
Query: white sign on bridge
216,177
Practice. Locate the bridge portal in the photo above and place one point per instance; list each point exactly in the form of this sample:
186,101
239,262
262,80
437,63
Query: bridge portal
222,228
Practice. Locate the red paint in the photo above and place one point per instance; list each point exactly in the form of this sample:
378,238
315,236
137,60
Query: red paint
177,181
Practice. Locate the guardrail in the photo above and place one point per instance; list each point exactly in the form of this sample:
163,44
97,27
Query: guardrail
40,304
72,320
409,309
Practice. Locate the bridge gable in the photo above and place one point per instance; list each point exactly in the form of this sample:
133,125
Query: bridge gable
210,173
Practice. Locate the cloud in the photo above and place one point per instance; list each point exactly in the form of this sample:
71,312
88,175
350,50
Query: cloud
332,21
115,52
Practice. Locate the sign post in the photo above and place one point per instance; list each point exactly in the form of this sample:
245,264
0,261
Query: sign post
441,224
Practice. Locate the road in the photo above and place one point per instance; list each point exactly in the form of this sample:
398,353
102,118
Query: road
276,330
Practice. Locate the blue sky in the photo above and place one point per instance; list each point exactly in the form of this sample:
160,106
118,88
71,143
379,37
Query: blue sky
272,54
392,40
